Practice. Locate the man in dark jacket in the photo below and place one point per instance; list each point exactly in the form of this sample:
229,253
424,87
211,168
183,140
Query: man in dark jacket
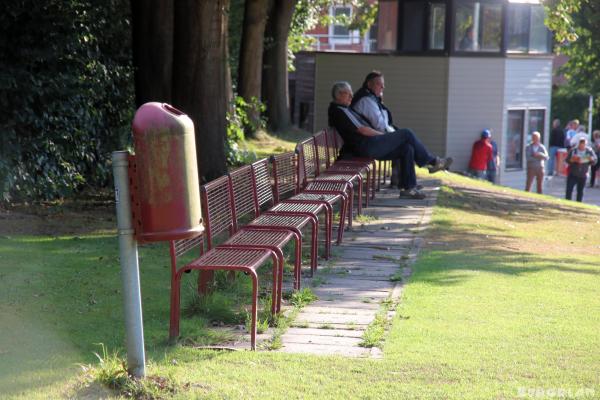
360,139
557,140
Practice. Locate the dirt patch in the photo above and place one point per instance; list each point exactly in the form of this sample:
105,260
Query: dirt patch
83,215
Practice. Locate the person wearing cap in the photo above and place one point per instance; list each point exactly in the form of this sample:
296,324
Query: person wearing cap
579,159
535,155
481,155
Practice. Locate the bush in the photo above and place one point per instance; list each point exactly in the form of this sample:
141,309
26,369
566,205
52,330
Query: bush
66,98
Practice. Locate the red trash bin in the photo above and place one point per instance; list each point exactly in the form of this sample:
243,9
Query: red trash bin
166,175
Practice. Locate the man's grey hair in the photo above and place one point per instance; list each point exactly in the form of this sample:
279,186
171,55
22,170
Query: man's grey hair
339,87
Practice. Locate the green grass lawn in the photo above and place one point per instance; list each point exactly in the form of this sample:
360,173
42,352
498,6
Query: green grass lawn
503,299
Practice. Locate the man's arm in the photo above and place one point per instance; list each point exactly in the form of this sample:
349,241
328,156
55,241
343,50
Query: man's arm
366,131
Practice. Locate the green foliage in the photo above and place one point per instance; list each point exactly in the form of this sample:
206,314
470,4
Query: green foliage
66,95
112,373
581,71
303,297
240,120
310,13
560,18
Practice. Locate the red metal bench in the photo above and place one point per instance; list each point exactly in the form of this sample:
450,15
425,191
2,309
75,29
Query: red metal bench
325,168
331,184
379,168
285,189
249,199
218,218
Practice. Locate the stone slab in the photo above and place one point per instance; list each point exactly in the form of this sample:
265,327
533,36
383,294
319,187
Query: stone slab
325,332
323,340
346,319
324,350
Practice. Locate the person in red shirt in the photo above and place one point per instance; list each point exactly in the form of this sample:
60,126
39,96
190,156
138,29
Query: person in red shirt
480,156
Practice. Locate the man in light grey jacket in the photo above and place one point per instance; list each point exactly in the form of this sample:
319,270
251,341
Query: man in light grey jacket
536,155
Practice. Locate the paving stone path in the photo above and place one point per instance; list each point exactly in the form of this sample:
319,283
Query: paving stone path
352,286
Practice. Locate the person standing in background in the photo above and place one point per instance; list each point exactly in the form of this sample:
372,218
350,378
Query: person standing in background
481,155
571,132
579,159
596,148
535,154
557,141
493,164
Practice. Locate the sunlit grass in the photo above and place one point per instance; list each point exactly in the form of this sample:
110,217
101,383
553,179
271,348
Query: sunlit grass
504,296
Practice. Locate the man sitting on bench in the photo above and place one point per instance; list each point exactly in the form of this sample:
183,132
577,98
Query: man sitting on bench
363,141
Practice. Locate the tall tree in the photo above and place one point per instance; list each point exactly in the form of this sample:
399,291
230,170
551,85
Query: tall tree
200,82
180,57
152,34
275,88
251,54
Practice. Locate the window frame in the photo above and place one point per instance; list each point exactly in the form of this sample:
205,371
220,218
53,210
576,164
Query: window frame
527,52
353,35
478,53
528,120
519,166
425,50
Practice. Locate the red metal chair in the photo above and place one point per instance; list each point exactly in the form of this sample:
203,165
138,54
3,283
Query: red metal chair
329,184
266,198
379,168
218,219
246,194
285,190
368,165
324,167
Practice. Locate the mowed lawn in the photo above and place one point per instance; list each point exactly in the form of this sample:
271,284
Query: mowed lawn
504,302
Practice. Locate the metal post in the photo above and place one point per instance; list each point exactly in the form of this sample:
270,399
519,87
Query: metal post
130,271
590,112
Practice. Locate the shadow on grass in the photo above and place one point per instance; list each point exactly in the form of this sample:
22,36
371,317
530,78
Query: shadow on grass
462,246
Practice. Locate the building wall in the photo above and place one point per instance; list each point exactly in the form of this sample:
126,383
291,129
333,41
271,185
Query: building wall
416,90
528,85
475,101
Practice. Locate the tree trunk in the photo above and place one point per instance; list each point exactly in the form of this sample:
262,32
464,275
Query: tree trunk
152,41
275,73
199,78
251,54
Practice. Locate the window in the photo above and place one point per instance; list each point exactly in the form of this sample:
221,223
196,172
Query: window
539,35
536,123
477,26
437,26
387,26
412,25
340,33
526,32
514,139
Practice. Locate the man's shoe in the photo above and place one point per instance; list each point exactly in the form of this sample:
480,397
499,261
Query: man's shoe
440,164
418,187
412,194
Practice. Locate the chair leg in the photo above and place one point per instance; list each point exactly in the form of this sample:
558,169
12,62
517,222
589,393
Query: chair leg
254,308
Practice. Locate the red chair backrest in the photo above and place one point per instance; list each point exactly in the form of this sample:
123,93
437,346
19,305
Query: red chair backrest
307,161
262,184
321,151
332,147
285,175
218,209
244,194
